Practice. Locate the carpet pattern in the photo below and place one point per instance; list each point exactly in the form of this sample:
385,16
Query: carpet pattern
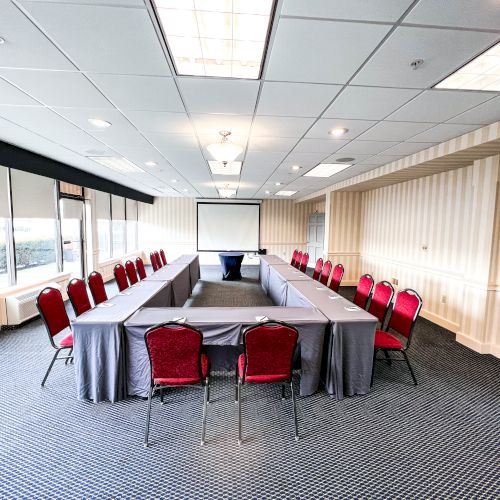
437,440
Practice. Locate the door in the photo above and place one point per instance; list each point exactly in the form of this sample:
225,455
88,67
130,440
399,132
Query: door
315,237
72,236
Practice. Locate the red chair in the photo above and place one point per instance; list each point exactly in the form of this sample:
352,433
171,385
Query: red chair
120,277
78,296
97,289
50,305
176,360
152,258
317,269
163,258
381,300
404,315
304,262
131,273
337,275
158,259
294,258
141,270
299,260
363,290
268,358
325,273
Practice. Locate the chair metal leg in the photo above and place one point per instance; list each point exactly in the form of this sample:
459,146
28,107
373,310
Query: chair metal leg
294,412
239,411
387,357
162,396
373,366
282,392
236,386
205,401
409,366
148,418
69,358
50,367
208,391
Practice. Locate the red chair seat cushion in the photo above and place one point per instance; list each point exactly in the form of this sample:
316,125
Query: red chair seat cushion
67,341
384,340
259,379
185,381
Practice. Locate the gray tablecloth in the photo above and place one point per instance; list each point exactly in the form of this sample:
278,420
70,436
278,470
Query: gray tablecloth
223,326
180,279
264,267
279,276
348,349
100,361
194,267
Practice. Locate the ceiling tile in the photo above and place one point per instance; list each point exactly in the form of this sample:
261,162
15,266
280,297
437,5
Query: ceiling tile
271,143
484,114
361,10
266,160
280,126
441,50
176,142
221,96
12,96
327,146
80,117
295,99
366,147
480,14
160,121
304,160
298,56
322,127
439,105
143,93
408,148
57,88
394,131
238,125
122,40
368,103
443,132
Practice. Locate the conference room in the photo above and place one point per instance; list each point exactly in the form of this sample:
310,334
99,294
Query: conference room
249,248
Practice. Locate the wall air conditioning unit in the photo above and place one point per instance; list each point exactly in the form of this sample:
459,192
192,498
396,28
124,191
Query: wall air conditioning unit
22,306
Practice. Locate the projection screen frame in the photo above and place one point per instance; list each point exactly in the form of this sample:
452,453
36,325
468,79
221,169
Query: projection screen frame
224,203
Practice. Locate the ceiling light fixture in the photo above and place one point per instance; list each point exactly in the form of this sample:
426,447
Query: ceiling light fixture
220,168
482,73
296,167
277,184
326,169
224,151
338,131
268,192
97,122
224,39
151,163
174,180
226,191
121,165
285,193
2,40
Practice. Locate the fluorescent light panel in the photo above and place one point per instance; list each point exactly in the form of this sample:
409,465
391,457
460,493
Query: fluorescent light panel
285,193
326,169
482,73
218,168
225,38
121,165
227,193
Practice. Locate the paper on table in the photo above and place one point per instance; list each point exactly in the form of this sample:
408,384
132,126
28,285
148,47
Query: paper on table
260,319
321,289
180,319
125,293
351,308
105,304
334,297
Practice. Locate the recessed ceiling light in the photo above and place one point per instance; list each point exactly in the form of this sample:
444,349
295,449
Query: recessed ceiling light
227,193
326,169
2,40
151,163
277,184
174,180
185,190
219,168
295,167
121,165
97,122
285,193
482,73
338,131
228,40
268,192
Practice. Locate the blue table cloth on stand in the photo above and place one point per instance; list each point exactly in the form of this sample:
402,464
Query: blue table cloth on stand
231,265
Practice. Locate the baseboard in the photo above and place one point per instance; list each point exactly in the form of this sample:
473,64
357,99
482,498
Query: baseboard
480,347
439,320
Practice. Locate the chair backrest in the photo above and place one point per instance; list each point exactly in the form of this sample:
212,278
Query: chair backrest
381,300
294,257
120,277
317,269
78,296
154,263
299,259
304,262
141,270
406,309
174,351
97,289
325,272
363,290
337,275
269,349
163,258
50,305
158,259
131,273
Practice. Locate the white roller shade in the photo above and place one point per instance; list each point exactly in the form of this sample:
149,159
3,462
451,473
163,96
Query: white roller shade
71,209
131,210
4,198
102,206
118,207
32,196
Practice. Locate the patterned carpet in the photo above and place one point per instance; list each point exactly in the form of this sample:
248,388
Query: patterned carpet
437,440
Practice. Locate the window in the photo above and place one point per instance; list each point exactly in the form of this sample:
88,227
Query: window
119,225
103,217
4,218
33,206
131,225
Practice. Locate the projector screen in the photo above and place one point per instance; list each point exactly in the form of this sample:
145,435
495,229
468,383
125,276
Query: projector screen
228,226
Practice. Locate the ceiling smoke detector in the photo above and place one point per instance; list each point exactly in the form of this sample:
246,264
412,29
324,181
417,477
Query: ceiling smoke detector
416,63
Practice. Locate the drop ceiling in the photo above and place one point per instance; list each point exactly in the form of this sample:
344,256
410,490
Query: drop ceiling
330,63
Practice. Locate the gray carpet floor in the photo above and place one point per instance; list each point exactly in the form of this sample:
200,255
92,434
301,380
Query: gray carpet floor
440,439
